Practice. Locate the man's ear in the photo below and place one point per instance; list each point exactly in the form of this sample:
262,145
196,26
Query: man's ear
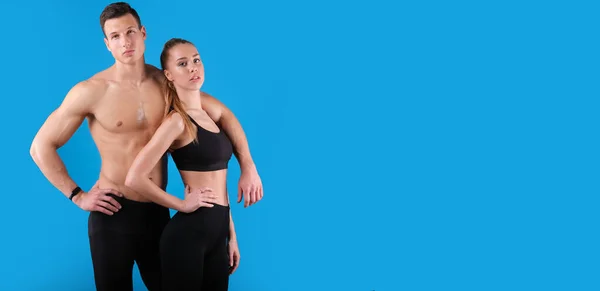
106,43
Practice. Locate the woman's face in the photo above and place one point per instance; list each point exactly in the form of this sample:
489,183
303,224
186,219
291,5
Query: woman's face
184,67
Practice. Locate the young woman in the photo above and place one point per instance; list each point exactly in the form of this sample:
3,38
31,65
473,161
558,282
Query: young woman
198,246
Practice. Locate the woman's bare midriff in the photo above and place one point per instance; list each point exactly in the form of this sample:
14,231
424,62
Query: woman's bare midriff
215,180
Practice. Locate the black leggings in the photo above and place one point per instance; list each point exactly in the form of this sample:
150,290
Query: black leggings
130,235
194,252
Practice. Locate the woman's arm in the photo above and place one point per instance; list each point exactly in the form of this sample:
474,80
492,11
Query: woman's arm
233,248
138,176
232,235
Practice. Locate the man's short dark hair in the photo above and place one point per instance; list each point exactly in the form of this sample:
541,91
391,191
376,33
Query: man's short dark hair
116,10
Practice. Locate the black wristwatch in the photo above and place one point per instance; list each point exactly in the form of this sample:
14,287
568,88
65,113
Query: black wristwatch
74,192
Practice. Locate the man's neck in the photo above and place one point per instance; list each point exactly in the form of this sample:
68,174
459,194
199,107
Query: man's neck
134,73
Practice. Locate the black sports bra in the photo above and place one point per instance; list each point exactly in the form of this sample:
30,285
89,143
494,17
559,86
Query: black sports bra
211,152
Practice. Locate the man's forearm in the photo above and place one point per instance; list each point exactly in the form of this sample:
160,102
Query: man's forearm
53,168
236,134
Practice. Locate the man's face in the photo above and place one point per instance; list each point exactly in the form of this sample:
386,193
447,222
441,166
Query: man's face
124,38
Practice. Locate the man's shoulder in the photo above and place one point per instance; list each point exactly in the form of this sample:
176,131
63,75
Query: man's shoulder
94,86
99,81
152,68
207,96
212,106
154,72
211,100
90,89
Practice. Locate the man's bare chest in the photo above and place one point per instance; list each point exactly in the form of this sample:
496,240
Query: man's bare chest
130,110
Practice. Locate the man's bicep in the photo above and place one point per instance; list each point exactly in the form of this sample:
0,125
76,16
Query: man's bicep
62,123
59,128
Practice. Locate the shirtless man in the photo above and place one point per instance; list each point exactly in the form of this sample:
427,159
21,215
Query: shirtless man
124,104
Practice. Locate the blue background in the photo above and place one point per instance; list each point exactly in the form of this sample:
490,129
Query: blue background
445,145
